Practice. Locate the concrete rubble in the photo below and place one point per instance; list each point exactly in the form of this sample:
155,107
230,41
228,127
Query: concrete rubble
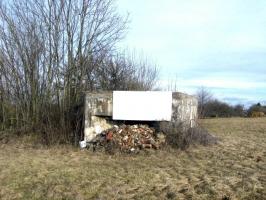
130,138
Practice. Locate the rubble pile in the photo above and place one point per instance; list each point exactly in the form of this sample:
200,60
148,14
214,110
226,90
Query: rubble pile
132,138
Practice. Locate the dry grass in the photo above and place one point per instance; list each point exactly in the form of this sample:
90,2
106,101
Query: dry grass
233,169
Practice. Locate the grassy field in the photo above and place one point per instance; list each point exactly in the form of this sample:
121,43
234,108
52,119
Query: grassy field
233,169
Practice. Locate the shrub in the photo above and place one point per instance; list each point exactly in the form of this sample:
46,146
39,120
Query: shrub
178,136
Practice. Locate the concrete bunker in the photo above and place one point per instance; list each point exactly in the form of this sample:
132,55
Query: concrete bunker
106,109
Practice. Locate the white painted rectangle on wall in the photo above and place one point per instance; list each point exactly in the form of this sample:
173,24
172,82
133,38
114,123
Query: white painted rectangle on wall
142,105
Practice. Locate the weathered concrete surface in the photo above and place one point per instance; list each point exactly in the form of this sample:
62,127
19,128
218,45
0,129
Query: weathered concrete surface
184,109
99,104
99,111
97,107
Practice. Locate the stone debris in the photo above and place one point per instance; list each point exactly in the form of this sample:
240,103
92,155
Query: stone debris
131,138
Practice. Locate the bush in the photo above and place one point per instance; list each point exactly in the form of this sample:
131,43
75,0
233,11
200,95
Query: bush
178,136
256,108
219,109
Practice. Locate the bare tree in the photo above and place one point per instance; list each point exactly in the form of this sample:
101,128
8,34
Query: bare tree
204,96
46,50
51,51
126,71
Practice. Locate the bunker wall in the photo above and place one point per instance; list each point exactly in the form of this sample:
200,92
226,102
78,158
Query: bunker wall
99,111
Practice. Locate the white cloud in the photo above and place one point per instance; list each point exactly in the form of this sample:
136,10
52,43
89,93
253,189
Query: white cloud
223,83
215,83
203,37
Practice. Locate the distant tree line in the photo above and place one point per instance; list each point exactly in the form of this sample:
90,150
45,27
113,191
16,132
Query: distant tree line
211,107
256,110
51,52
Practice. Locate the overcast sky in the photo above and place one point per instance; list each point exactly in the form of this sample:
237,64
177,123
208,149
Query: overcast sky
218,44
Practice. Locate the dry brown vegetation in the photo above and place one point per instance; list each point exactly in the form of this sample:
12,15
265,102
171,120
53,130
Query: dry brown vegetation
233,169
